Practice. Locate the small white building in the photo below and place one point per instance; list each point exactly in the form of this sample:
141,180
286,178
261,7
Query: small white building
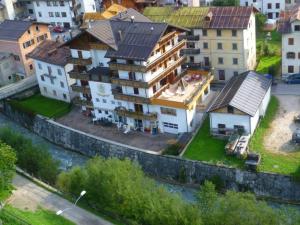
52,70
240,104
271,8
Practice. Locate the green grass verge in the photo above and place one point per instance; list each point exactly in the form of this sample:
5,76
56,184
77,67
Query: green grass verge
266,62
204,147
38,104
13,216
288,163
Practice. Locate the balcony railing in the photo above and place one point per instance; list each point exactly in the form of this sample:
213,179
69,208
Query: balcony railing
136,115
201,66
130,83
80,61
167,37
81,89
189,37
83,102
130,98
127,67
79,75
190,51
98,46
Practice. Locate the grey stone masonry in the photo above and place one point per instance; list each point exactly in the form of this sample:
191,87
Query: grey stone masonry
176,169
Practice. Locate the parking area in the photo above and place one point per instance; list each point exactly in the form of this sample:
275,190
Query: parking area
280,134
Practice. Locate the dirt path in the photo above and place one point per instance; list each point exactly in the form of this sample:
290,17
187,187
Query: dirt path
279,137
29,196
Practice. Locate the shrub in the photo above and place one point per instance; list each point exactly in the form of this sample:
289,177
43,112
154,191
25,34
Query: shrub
7,166
173,149
35,160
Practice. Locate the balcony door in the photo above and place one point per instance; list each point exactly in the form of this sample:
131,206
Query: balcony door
80,56
138,108
206,61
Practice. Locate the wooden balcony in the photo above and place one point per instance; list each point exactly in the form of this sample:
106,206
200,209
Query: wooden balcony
136,115
79,61
83,102
127,67
166,38
98,46
79,75
190,51
189,37
81,89
130,98
130,83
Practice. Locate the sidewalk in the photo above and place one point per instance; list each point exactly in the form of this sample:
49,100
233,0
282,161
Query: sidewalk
29,196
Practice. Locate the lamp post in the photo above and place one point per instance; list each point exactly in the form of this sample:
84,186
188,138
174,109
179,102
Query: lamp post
82,193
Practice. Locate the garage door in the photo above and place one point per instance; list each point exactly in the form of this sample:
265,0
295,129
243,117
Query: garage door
170,128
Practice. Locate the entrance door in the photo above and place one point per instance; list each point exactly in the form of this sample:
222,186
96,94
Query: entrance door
138,124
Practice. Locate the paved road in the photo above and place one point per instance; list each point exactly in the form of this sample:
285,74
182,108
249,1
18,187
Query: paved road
28,196
286,89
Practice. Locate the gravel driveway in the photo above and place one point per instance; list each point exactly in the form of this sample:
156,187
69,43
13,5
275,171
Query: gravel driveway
279,137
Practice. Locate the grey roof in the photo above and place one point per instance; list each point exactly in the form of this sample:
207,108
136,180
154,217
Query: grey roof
12,30
128,13
128,40
244,92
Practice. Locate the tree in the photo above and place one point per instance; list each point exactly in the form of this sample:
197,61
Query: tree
260,20
7,165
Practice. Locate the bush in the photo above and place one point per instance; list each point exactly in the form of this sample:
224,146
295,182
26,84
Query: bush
7,166
122,188
35,160
173,149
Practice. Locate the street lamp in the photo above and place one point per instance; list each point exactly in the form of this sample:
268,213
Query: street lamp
82,193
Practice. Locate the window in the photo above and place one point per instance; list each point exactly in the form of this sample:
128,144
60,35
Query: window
48,3
192,59
168,111
221,126
31,67
220,60
235,73
290,55
277,15
55,3
54,93
221,74
63,14
138,108
170,125
61,3
106,112
62,84
219,33
136,91
51,14
298,55
28,43
290,69
235,61
204,32
220,46
291,41
205,45
39,66
269,5
234,46
99,111
59,71
37,3
30,11
52,81
104,100
28,31
57,14
297,27
277,5
230,109
42,78
270,15
97,100
131,76
40,38
234,33
65,96
49,70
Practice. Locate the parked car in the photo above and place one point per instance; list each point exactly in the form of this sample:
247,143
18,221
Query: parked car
293,79
58,29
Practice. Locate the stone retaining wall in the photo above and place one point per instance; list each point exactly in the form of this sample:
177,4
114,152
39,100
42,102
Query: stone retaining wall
165,167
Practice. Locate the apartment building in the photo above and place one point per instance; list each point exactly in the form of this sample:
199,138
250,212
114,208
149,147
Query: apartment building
52,70
289,27
132,75
271,8
220,38
19,38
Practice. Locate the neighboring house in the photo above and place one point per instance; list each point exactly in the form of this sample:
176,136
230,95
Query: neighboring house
7,68
62,13
197,3
19,38
131,74
222,38
11,9
271,8
52,70
240,104
289,27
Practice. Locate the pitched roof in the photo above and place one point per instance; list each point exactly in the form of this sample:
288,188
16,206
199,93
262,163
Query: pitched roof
12,30
128,13
202,17
244,92
51,52
286,18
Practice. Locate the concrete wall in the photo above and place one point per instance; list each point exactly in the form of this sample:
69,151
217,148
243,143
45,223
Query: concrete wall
165,167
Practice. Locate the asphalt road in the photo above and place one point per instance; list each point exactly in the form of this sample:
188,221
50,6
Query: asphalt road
286,89
28,195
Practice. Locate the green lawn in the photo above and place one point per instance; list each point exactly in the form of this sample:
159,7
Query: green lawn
206,148
288,163
266,62
38,104
13,216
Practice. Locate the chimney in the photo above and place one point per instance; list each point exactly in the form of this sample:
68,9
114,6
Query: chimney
132,19
120,35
